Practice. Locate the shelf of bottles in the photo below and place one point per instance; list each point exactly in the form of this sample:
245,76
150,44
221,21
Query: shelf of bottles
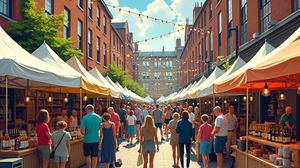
273,133
14,140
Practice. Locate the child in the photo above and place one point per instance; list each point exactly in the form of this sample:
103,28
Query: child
63,148
131,121
204,137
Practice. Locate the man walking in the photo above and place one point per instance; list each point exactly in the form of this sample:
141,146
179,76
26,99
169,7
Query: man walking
138,114
192,119
157,116
123,116
220,135
90,126
232,126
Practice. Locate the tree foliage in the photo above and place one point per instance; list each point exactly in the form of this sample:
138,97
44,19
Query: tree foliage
35,28
116,74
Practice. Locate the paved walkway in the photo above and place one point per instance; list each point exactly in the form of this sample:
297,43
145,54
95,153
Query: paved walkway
163,159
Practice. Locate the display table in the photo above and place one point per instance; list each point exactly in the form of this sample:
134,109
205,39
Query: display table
259,162
31,159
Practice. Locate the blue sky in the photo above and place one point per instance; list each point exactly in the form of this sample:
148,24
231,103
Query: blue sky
171,10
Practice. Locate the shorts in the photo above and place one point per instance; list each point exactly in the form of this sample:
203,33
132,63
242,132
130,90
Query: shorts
44,151
148,147
219,143
91,149
60,159
158,125
138,123
205,147
167,121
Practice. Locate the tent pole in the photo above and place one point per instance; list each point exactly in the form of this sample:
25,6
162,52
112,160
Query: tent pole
247,118
6,104
80,103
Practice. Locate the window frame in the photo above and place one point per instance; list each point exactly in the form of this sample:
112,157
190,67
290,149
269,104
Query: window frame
244,21
80,3
79,34
90,42
98,51
220,33
104,25
104,54
98,13
47,12
265,15
67,25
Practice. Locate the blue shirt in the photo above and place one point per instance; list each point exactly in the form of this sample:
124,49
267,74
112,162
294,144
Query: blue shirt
91,123
185,130
122,114
138,114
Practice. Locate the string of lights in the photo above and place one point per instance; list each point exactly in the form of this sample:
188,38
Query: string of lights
159,37
140,15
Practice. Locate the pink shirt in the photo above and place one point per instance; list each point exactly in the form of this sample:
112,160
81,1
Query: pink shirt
205,130
41,130
116,120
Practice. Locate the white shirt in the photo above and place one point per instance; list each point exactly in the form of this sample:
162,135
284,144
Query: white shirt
74,122
222,123
231,118
131,119
191,117
145,113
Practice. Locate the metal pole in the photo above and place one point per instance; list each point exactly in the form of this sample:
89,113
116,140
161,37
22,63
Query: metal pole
80,104
6,104
247,118
236,41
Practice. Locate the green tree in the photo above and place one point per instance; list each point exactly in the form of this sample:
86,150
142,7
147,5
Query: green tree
116,74
35,28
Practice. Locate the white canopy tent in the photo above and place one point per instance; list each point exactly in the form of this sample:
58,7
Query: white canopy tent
192,89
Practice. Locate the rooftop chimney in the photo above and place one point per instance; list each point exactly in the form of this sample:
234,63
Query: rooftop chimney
196,11
178,42
136,47
163,49
187,21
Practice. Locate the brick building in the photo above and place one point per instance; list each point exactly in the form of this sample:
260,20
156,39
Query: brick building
209,37
88,21
123,30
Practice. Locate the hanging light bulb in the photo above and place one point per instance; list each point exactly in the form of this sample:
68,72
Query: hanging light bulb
27,99
251,98
50,99
266,91
66,99
235,100
245,98
281,96
217,102
205,102
112,102
225,101
209,102
85,98
298,90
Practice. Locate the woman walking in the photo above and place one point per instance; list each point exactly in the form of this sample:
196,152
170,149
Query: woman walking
108,141
167,119
185,130
148,139
204,137
61,142
131,122
174,139
43,137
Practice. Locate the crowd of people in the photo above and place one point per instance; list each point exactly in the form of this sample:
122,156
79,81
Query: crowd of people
182,127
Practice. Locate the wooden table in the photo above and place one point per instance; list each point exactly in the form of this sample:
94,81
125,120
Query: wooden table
31,159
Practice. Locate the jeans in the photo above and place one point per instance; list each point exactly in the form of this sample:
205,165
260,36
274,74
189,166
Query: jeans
188,153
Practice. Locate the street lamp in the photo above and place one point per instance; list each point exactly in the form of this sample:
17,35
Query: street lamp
236,29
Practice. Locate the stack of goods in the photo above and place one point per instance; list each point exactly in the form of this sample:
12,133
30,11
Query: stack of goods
75,133
14,139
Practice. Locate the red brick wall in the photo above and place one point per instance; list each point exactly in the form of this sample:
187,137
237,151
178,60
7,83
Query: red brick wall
117,49
279,10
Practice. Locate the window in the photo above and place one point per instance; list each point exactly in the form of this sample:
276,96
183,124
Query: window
229,39
105,54
296,5
206,46
265,14
145,75
146,86
146,64
210,10
220,33
104,24
114,57
80,3
157,64
157,75
169,64
67,23
48,7
90,9
90,43
98,17
211,36
5,7
169,75
98,49
79,34
204,18
244,21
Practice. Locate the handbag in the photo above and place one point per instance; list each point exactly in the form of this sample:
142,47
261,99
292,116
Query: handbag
53,152
140,159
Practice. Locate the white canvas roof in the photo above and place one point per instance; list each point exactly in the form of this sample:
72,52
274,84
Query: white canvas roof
192,90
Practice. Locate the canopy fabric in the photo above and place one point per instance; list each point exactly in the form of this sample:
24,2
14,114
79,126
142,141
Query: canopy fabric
149,99
99,87
97,75
181,93
160,99
240,81
166,99
47,55
124,93
208,90
282,67
24,70
192,89
231,82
